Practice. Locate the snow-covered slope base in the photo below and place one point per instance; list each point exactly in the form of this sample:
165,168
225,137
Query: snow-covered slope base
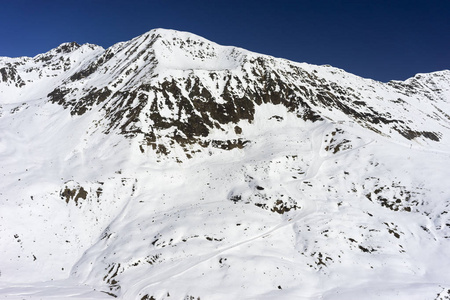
169,167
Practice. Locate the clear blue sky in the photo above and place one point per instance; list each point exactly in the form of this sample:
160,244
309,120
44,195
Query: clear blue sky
377,39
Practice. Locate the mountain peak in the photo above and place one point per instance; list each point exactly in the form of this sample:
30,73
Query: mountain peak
186,51
67,47
172,34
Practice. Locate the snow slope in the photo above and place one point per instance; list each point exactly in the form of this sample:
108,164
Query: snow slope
170,167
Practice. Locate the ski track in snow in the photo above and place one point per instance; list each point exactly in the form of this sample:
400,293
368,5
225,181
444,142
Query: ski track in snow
134,291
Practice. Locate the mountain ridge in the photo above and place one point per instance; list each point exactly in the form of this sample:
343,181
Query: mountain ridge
145,81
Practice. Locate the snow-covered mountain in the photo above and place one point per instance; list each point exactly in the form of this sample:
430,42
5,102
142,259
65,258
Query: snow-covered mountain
170,167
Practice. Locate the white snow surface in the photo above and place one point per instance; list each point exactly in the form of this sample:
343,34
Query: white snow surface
86,214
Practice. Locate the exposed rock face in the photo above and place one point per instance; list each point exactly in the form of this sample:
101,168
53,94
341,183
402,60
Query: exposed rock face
143,92
167,84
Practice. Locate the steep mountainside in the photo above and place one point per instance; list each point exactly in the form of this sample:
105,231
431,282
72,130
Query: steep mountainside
170,167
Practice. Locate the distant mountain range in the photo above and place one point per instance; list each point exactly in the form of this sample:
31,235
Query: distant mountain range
170,167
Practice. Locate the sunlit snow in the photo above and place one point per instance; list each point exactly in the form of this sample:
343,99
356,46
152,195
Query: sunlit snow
337,208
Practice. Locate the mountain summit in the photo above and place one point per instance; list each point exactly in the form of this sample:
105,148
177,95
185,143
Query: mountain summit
171,167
